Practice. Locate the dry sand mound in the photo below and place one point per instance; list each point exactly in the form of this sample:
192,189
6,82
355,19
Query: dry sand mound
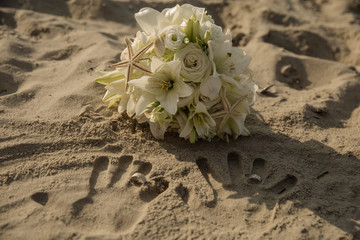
66,160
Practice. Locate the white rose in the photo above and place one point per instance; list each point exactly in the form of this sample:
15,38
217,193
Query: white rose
174,37
195,64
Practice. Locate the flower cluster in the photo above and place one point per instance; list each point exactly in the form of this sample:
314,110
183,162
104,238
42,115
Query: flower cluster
181,72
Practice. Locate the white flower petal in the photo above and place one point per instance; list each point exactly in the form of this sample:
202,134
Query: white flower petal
157,131
175,67
123,103
108,95
183,89
144,100
253,88
169,103
187,129
240,122
200,130
117,87
156,63
188,10
159,47
131,104
211,88
228,35
216,32
231,80
201,108
147,83
173,15
170,12
212,45
181,119
151,21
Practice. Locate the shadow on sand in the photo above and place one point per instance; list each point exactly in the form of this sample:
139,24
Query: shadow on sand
310,174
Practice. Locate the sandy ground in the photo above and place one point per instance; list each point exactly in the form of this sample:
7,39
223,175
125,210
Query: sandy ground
66,160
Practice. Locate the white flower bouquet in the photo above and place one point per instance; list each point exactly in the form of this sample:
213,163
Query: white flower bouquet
182,73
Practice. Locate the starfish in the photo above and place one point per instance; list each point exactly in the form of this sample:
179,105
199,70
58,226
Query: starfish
227,112
133,61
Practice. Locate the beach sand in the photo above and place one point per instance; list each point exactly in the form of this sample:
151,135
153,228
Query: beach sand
66,159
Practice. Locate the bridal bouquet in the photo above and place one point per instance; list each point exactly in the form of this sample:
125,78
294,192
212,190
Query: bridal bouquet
182,73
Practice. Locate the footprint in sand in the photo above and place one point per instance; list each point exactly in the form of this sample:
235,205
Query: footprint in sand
258,173
7,84
61,54
112,200
258,176
301,42
40,197
257,182
280,18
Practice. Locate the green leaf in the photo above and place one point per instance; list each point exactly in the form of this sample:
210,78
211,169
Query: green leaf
192,29
108,97
168,55
195,31
207,36
188,29
193,136
246,131
234,128
199,42
113,102
110,77
153,105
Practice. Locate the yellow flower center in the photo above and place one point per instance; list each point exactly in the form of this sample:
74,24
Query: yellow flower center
167,84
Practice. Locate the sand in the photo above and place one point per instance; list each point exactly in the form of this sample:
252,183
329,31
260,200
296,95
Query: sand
66,160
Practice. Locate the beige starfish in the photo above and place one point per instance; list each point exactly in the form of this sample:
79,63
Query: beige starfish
133,61
229,110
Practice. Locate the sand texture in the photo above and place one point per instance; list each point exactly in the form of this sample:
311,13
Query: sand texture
66,159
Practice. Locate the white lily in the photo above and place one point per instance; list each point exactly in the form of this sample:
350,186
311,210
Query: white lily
226,59
177,14
237,89
216,32
236,126
165,85
157,130
159,114
126,102
207,92
159,119
210,87
199,120
151,21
